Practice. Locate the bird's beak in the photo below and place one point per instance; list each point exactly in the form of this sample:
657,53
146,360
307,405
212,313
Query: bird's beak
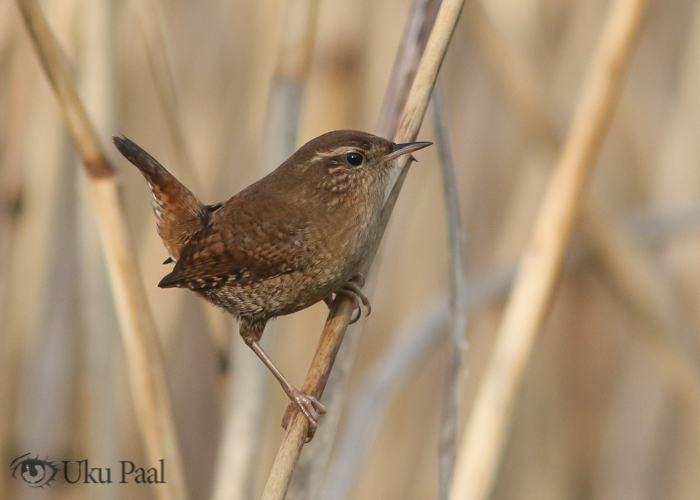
406,148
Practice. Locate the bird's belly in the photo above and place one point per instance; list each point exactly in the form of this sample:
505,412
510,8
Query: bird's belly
277,296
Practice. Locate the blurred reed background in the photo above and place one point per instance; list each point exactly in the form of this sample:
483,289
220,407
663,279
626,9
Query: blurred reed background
607,408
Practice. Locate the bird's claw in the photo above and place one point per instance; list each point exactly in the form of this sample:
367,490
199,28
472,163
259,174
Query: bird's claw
357,314
353,289
311,407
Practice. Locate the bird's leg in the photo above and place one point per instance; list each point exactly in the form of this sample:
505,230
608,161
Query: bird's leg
353,289
309,405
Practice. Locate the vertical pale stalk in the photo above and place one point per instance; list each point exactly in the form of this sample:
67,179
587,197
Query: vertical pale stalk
43,366
103,397
332,336
49,368
484,437
447,445
148,387
7,37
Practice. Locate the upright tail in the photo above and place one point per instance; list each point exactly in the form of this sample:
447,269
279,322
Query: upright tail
179,214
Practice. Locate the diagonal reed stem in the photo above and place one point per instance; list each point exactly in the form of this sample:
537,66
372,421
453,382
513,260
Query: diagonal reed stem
485,434
308,478
339,317
147,378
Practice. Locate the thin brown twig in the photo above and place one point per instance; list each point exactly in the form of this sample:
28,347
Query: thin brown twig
339,317
484,437
148,387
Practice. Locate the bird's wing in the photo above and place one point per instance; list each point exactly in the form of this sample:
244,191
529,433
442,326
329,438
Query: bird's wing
239,252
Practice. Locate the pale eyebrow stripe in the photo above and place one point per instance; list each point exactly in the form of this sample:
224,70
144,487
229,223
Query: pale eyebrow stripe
335,152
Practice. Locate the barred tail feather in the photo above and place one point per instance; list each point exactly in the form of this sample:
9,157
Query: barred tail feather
179,214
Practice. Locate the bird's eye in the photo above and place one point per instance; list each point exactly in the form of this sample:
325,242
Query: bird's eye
355,159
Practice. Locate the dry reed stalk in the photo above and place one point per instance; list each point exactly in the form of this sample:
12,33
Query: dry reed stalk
339,317
419,24
484,437
49,368
236,460
632,270
97,421
390,371
447,445
10,192
142,347
311,469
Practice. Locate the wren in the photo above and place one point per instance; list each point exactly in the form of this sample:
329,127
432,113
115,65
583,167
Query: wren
291,239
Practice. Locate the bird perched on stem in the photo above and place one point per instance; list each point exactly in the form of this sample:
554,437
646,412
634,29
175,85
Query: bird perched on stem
295,237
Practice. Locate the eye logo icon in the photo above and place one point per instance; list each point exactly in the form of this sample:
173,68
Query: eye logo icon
35,472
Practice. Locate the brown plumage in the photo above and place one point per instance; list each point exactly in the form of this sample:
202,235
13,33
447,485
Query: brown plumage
287,241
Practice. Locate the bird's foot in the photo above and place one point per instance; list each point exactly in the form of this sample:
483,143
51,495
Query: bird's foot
353,289
311,407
